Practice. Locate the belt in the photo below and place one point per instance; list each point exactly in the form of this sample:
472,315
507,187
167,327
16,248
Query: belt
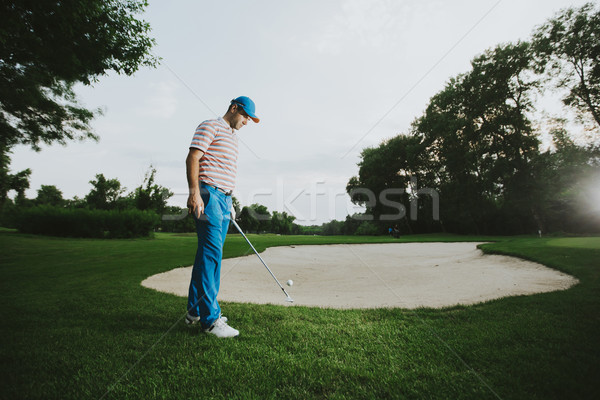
218,188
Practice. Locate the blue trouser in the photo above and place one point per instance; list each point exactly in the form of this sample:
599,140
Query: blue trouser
211,228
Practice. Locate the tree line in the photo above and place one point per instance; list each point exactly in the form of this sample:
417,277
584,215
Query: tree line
105,194
474,158
106,211
49,212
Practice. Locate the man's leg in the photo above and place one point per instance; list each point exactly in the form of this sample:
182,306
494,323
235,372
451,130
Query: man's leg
225,204
204,284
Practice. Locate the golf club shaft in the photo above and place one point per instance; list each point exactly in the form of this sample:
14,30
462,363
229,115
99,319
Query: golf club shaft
256,252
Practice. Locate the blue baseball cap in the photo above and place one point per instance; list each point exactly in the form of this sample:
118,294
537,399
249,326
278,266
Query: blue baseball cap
248,106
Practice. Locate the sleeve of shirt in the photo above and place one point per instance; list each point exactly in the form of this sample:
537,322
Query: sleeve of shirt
203,137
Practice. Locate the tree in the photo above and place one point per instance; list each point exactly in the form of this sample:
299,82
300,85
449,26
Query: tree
49,195
481,142
384,174
568,47
105,193
46,47
333,227
282,223
150,196
247,220
288,223
276,222
351,224
18,182
263,216
505,141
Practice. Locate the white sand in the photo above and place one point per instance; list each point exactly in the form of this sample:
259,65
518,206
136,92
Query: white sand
407,275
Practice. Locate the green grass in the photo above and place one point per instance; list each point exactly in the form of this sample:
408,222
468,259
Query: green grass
76,324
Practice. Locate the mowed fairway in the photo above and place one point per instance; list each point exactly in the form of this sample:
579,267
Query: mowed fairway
77,324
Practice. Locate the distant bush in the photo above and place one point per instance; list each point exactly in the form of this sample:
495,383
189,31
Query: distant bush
367,228
85,223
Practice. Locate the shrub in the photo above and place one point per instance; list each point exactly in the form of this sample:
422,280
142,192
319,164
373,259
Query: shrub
85,223
367,228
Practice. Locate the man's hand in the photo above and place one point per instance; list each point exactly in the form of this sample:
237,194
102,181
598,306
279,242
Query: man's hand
195,204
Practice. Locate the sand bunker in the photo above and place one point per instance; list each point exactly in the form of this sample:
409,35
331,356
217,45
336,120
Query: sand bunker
407,275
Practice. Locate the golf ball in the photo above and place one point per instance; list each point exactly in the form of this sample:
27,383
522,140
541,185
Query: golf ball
290,282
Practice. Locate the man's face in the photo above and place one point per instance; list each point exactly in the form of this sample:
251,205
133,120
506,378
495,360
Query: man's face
240,118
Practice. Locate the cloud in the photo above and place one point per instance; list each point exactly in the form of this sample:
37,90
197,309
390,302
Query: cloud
160,100
375,24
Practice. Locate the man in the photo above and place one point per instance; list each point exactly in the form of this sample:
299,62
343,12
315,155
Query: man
211,167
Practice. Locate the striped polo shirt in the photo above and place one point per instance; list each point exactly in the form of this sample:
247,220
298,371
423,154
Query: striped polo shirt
218,165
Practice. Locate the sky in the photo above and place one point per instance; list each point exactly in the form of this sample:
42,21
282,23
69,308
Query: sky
329,78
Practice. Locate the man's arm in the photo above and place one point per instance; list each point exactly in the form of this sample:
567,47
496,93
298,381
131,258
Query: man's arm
192,165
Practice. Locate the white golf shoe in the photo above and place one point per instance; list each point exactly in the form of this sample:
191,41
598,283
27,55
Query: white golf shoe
220,329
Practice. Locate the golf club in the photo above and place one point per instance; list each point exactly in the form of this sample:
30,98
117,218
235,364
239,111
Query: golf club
288,298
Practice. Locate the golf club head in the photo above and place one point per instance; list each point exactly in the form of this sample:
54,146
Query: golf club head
289,299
